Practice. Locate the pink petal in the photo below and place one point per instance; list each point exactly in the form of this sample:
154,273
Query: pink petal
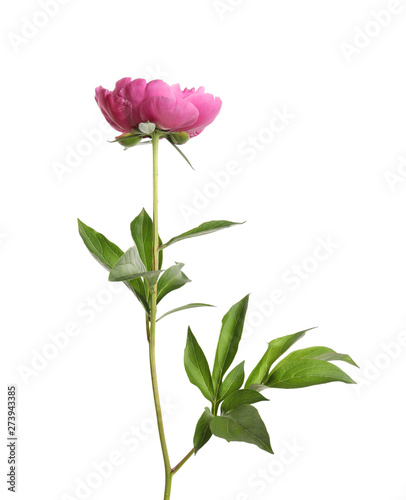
120,111
208,106
158,88
169,114
181,94
134,92
121,84
100,97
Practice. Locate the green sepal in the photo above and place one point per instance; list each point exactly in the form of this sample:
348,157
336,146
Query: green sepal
128,140
169,139
179,137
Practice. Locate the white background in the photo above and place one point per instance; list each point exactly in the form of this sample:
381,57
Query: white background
335,173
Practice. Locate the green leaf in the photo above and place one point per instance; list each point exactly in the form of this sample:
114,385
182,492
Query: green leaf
172,279
233,381
202,432
142,233
137,286
298,373
179,151
318,352
107,254
196,366
276,348
241,397
258,387
205,228
103,250
243,423
230,336
187,306
130,266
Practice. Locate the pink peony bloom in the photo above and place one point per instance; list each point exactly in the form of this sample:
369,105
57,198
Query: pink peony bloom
171,109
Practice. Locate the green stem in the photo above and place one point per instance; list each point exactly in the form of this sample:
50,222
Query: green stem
183,461
165,454
147,325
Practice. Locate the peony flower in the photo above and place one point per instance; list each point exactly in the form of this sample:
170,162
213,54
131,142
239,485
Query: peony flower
167,106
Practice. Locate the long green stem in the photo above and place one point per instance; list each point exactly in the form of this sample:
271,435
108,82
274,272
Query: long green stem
165,454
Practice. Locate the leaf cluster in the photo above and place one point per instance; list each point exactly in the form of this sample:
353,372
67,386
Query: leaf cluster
239,420
135,266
